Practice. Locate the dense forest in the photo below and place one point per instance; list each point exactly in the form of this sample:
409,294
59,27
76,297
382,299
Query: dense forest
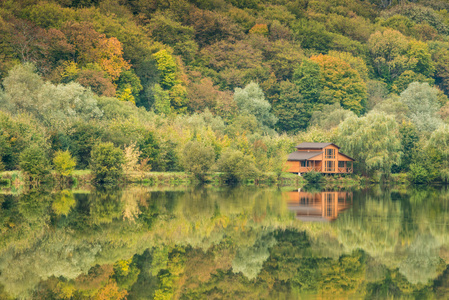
229,84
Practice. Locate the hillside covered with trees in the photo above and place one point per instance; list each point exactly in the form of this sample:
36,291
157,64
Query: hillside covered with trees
238,82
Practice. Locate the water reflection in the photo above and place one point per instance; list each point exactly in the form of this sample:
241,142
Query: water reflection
190,243
323,206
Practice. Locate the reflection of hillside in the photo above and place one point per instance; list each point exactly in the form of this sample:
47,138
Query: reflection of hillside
318,206
231,240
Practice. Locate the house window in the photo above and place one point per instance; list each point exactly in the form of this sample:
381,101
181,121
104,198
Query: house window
330,167
341,164
330,153
305,163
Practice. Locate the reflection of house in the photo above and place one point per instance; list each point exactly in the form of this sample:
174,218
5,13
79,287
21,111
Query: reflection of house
319,157
320,206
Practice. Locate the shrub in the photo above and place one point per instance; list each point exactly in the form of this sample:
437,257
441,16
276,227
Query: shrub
198,159
313,177
236,166
107,163
64,163
33,161
418,174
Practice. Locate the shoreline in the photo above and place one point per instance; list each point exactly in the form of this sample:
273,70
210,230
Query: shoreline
81,178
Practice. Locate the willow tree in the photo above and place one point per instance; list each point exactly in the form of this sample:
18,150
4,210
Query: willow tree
439,143
372,140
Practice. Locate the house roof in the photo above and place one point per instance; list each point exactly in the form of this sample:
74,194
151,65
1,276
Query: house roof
314,145
297,155
346,156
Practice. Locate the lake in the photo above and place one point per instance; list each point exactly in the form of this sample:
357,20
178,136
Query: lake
219,242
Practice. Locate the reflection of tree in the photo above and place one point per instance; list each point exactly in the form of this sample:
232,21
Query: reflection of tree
393,286
249,260
131,199
374,227
63,203
343,276
422,260
105,206
126,273
441,285
3,294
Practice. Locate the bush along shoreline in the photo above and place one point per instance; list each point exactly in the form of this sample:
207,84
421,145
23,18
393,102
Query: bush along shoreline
86,178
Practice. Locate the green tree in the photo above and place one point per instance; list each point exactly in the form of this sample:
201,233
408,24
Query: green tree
407,77
291,109
440,55
168,70
313,35
236,166
236,64
330,116
64,163
161,100
82,137
198,158
33,160
166,30
129,80
422,102
389,53
106,163
308,79
251,100
419,51
48,15
418,174
56,106
420,14
150,149
359,138
439,142
341,84
16,134
409,142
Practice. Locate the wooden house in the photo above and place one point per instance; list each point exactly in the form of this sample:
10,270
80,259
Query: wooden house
320,206
320,157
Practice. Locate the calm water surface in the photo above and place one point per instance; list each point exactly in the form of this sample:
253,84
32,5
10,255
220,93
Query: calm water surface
234,243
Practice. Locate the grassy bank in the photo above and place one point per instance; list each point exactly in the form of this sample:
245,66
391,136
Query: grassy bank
16,180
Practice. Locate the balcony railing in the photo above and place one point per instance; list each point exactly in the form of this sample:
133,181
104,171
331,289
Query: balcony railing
344,170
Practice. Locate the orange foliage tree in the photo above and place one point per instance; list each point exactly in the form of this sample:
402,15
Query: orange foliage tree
96,48
111,291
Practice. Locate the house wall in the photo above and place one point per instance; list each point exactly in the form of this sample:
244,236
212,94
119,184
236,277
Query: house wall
334,160
293,166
